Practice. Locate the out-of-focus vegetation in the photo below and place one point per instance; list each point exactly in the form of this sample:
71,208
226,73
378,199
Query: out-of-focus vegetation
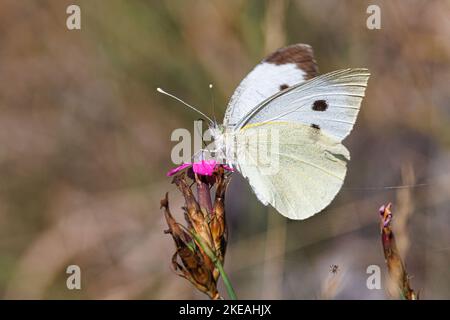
85,145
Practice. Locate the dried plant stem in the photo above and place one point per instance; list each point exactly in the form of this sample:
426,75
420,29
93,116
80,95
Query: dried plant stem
394,262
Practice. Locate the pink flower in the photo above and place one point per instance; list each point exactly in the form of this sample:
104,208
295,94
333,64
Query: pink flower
204,167
179,168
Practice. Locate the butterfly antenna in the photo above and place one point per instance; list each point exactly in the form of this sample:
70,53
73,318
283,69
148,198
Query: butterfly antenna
185,103
211,91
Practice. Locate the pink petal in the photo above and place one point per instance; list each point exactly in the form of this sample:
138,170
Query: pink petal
204,167
179,168
227,168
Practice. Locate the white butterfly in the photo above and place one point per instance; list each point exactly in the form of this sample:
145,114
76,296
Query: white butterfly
282,98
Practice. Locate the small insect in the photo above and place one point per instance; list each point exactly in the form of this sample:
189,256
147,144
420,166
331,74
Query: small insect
334,268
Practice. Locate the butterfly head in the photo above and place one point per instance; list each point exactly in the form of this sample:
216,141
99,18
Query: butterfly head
217,133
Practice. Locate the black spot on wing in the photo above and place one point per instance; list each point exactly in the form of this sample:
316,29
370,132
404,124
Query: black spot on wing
320,105
314,134
283,86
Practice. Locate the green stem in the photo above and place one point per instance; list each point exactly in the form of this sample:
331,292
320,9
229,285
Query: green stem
226,281
215,260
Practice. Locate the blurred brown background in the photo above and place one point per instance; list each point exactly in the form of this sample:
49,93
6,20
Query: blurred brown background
85,145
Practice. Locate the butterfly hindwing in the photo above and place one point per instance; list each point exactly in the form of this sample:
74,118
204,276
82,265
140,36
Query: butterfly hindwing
305,170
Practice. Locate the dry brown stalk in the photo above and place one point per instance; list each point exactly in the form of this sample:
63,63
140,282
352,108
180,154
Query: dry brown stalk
394,262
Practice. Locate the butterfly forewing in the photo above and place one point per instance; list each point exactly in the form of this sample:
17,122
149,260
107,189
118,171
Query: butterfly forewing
329,103
282,69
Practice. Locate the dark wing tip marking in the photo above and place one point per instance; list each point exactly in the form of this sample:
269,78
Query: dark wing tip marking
283,86
320,105
300,54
